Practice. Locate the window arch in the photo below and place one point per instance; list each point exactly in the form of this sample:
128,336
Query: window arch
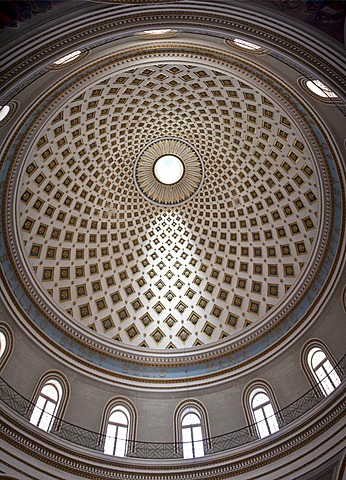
260,405
118,427
191,429
319,366
49,401
6,343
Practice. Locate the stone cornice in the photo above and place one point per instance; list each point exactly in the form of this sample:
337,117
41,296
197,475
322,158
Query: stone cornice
205,18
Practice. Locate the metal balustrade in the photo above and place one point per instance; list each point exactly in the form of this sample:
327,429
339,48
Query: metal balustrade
158,450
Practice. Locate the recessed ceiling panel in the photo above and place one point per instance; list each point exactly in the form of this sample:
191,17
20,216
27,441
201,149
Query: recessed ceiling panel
160,275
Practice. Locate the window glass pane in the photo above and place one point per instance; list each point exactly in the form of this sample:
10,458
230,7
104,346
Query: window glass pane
68,58
192,434
320,373
272,423
327,366
187,445
197,433
40,403
50,391
50,407
191,419
2,342
245,44
268,410
320,89
42,414
46,405
199,449
36,414
122,433
120,447
118,417
46,418
111,430
198,442
335,378
259,415
45,421
263,429
186,434
110,439
327,385
317,358
259,399
323,370
4,111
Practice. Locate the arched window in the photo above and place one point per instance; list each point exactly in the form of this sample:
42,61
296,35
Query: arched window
260,406
191,429
263,412
118,427
49,399
191,433
322,369
6,343
46,405
117,432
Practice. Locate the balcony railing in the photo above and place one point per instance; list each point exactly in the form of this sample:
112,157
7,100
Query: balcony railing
158,450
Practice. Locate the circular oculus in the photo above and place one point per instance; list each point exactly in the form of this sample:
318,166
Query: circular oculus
168,171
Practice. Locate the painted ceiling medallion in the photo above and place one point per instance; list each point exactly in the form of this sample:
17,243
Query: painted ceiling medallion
168,171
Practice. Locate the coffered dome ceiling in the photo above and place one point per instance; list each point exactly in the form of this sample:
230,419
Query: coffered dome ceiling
171,275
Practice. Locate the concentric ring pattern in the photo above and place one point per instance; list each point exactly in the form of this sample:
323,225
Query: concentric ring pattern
161,276
180,191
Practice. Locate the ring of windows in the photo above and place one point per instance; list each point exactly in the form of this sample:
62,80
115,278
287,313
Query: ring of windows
192,432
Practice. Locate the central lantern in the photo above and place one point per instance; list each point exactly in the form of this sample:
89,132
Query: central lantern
168,171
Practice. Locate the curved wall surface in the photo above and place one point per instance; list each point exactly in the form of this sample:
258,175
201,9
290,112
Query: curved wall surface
160,304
